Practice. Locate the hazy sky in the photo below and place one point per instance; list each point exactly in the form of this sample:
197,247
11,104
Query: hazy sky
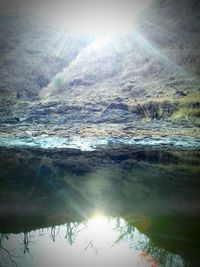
84,14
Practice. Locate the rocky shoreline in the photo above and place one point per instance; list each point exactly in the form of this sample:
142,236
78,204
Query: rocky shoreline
58,125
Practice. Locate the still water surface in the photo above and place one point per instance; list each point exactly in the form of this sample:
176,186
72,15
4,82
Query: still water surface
100,241
116,207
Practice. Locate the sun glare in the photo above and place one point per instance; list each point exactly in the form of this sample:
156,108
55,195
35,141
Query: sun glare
100,230
97,221
99,17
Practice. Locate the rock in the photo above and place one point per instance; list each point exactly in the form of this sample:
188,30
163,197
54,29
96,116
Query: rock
42,81
42,111
12,120
78,82
118,99
181,93
64,109
121,106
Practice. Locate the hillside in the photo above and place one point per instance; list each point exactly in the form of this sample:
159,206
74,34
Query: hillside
156,64
174,28
143,82
32,54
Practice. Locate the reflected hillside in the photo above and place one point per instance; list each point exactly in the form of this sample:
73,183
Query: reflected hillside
96,236
154,191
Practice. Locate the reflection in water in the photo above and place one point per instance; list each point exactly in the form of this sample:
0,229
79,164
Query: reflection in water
100,241
113,207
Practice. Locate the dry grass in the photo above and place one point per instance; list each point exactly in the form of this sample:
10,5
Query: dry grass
189,108
173,108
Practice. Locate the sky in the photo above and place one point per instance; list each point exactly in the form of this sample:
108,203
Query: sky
84,15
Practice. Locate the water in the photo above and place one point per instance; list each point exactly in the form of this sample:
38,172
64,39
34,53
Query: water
92,143
115,206
100,241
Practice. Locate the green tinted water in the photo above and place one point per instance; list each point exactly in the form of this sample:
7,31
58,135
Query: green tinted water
112,207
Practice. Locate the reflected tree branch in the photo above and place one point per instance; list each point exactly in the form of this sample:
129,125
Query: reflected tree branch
4,250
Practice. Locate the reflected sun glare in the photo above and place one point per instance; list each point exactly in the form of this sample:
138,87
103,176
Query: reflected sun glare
98,223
